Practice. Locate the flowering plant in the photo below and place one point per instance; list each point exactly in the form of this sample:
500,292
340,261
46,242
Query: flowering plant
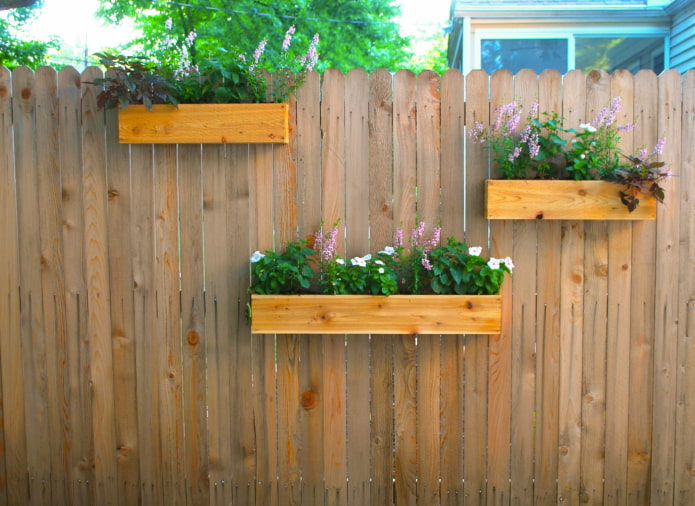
423,266
540,149
230,77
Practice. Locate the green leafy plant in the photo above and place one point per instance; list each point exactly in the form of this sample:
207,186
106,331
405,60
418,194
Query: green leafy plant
230,77
541,150
421,267
457,269
287,272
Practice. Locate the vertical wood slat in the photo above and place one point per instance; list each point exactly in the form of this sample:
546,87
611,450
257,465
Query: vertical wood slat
592,456
666,302
240,379
404,348
31,323
685,448
335,192
451,347
14,454
78,410
642,313
357,382
192,319
571,326
98,296
547,328
499,366
618,324
122,315
381,221
428,371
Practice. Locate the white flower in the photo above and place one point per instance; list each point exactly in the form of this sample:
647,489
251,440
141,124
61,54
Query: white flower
367,257
508,262
256,257
388,250
381,270
494,263
359,261
379,262
588,127
475,251
340,261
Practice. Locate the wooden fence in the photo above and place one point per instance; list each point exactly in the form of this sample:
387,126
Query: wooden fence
129,374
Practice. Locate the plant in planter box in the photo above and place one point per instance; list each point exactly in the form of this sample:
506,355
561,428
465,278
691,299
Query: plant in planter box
419,288
227,98
228,77
540,150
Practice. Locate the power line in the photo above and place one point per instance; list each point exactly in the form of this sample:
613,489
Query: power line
255,12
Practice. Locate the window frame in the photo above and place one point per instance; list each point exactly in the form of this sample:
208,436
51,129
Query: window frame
569,32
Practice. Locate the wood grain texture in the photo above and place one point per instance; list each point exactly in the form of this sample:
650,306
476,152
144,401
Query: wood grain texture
374,314
204,124
560,200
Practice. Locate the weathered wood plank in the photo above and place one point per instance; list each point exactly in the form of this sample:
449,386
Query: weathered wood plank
685,449
452,347
193,339
14,452
357,224
499,351
98,295
618,324
524,309
548,328
381,222
666,301
571,318
120,247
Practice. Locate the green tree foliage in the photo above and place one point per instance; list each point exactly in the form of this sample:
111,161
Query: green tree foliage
353,34
15,47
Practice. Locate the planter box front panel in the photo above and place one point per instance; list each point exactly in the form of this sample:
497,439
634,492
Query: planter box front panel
370,314
561,200
204,124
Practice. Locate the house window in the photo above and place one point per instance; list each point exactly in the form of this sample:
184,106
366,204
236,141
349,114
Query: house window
603,48
631,53
517,54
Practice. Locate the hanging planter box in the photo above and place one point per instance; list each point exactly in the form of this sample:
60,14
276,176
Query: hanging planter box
372,314
204,124
507,199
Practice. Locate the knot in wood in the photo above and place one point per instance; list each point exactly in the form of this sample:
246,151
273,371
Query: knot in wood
26,93
309,400
193,337
3,91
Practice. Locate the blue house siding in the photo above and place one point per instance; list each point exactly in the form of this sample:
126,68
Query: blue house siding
683,35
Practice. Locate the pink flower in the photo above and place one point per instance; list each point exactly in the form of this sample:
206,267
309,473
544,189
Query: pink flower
288,38
475,251
659,148
426,263
493,263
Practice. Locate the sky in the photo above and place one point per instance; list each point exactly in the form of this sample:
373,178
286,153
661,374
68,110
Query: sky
78,27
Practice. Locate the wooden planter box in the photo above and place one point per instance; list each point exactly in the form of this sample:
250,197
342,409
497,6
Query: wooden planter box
371,314
561,200
204,124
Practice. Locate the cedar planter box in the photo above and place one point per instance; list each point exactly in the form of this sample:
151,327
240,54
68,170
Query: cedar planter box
373,314
507,199
204,124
